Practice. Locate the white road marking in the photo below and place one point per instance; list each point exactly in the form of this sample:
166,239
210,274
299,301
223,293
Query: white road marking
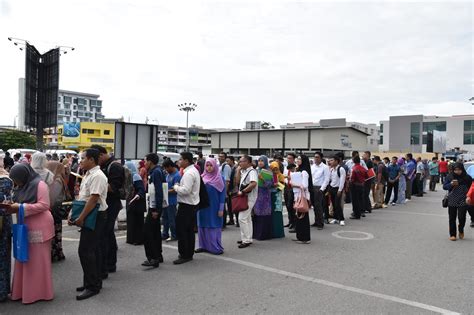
331,284
77,240
366,236
416,213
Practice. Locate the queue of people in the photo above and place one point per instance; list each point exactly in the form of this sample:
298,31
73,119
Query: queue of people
174,201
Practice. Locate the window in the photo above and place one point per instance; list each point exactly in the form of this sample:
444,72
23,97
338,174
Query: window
81,101
67,99
102,140
468,132
381,128
468,138
434,125
469,125
381,140
75,100
106,132
415,133
67,106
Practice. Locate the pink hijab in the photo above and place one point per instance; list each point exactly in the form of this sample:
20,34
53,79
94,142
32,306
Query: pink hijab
214,179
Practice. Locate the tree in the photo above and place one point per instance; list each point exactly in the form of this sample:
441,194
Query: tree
15,139
267,125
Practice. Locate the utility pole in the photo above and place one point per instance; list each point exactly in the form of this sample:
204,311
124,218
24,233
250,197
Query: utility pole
187,107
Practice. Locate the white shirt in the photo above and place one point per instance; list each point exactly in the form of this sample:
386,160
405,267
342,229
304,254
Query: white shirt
320,174
350,164
188,187
305,184
94,183
226,170
338,181
245,180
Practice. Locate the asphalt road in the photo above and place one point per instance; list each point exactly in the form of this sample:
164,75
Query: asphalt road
405,264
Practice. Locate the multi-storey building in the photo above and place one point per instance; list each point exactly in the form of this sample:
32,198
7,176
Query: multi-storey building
81,135
79,107
173,139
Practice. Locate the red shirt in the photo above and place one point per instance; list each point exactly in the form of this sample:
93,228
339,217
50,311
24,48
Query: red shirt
359,174
443,167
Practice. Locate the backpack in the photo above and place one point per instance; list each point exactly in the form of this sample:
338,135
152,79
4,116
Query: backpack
203,196
126,190
385,175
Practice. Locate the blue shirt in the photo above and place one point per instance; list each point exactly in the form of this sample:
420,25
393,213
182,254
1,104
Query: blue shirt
173,179
393,171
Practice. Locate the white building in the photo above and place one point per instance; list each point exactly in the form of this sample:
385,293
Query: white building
253,125
79,107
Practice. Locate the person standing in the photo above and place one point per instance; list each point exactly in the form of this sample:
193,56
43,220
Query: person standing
434,173
93,191
201,162
143,173
248,186
169,213
225,171
8,162
336,189
443,169
152,229
188,201
380,182
457,184
420,174
39,163
393,181
402,181
209,219
231,162
288,193
320,178
277,203
32,280
262,219
369,183
136,207
410,175
6,186
303,229
358,177
115,174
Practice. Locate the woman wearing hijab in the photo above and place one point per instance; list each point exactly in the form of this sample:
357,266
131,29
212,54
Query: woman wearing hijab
303,232
209,220
262,219
136,207
402,182
277,200
32,281
58,192
6,185
39,163
457,184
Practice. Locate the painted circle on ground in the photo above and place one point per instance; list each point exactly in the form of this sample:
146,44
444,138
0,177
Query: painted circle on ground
361,236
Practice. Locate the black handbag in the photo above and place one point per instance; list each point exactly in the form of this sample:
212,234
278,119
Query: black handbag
444,202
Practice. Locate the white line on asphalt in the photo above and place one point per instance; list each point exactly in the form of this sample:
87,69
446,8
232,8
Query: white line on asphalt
77,240
331,284
417,213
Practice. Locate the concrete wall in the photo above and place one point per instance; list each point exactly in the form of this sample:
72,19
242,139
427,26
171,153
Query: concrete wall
399,139
229,140
249,140
296,139
271,140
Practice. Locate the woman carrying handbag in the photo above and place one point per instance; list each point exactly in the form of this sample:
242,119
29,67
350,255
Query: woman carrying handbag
301,205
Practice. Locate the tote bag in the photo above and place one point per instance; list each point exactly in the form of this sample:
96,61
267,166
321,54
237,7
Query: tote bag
301,204
20,237
78,207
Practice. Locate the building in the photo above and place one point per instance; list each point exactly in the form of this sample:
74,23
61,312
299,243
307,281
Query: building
412,133
302,140
253,125
79,107
21,104
372,130
173,139
82,135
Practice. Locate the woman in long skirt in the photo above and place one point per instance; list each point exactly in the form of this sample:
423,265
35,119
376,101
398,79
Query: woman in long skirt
402,182
136,207
303,232
5,235
277,201
33,281
262,219
209,220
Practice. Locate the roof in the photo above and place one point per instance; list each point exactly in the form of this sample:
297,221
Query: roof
79,93
293,129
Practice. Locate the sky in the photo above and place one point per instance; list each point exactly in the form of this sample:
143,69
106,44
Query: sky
275,61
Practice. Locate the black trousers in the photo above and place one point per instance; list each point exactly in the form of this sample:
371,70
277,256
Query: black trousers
357,193
419,185
318,203
303,229
367,189
152,239
470,209
388,195
336,203
433,181
90,253
185,221
460,213
109,242
289,202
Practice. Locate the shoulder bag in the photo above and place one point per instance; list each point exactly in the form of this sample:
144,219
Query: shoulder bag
301,204
241,202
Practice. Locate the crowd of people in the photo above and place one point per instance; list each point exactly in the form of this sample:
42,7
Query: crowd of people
174,201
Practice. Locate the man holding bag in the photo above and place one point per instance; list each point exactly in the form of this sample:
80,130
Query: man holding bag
93,192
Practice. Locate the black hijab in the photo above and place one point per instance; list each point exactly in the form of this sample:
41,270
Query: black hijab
24,174
464,178
306,166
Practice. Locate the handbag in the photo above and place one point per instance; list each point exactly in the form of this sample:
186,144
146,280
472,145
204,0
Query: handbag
240,202
20,237
301,204
444,202
78,207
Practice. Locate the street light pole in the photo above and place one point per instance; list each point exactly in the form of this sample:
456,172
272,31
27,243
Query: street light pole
187,107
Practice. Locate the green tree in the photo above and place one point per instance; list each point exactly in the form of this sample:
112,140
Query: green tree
15,139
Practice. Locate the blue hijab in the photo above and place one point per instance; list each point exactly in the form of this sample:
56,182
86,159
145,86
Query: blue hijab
265,162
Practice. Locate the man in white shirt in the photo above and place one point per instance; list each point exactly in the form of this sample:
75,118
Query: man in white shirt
188,201
350,162
320,175
336,189
248,186
93,191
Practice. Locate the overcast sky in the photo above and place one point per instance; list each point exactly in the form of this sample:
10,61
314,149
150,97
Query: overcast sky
275,61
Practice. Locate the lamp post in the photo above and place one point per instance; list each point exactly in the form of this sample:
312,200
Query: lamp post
187,107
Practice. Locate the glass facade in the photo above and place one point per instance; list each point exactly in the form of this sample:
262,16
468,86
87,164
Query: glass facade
468,132
415,133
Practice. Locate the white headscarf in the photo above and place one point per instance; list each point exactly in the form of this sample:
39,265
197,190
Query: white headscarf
38,163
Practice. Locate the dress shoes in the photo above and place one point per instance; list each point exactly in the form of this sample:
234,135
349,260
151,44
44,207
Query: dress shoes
80,289
292,231
200,250
181,261
151,263
244,245
86,294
